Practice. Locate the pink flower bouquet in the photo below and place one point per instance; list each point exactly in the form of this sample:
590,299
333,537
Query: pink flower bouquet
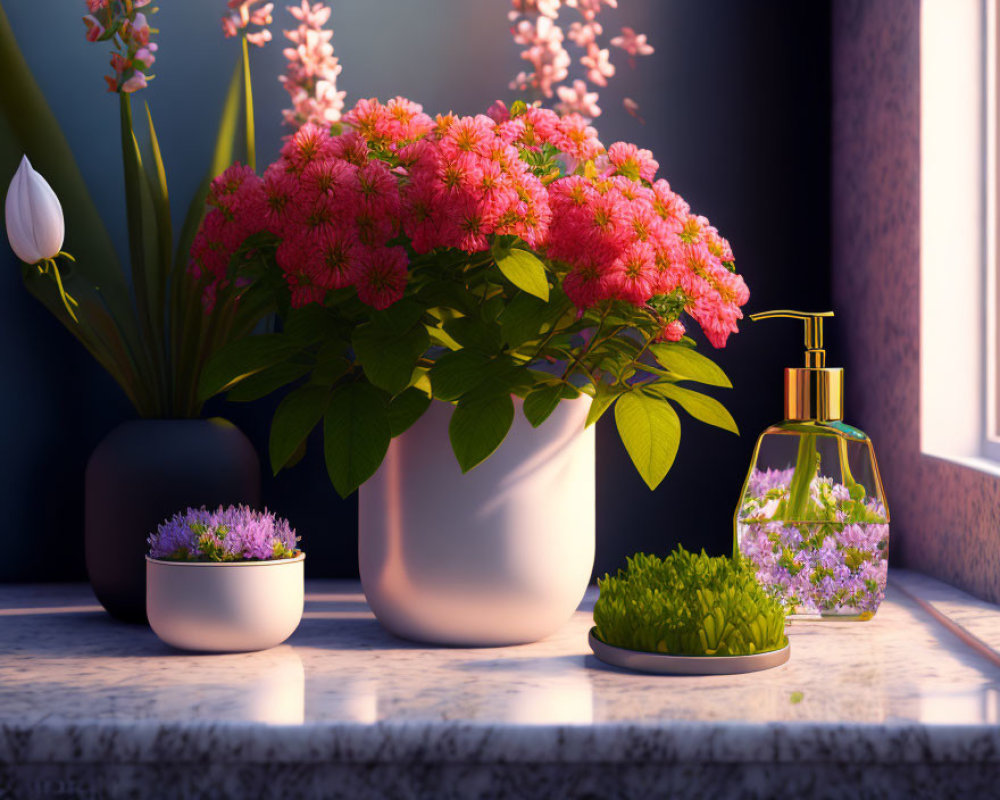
467,259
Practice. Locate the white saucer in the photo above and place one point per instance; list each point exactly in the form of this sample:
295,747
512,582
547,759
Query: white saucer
663,664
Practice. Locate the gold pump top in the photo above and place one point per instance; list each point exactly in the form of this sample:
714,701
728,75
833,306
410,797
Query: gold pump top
816,391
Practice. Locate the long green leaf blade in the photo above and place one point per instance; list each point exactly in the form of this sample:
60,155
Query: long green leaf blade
188,320
225,139
142,237
248,108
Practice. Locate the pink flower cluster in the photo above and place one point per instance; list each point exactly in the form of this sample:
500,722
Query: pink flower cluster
311,76
628,235
244,13
537,29
336,203
121,23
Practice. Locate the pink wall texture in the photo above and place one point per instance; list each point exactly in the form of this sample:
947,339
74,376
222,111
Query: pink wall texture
944,516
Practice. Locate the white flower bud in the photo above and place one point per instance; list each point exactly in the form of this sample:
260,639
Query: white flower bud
35,225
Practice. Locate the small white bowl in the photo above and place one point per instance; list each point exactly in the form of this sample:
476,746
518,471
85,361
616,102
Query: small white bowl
229,606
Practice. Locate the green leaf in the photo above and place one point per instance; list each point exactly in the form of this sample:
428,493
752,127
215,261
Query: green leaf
331,365
400,316
700,406
687,363
541,402
266,381
294,419
311,323
604,395
446,294
651,432
440,338
388,349
522,319
356,435
458,372
524,269
475,334
407,408
243,358
479,424
298,455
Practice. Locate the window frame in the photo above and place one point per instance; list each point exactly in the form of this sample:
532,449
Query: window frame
959,316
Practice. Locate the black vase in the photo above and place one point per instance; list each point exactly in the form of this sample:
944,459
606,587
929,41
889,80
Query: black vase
140,474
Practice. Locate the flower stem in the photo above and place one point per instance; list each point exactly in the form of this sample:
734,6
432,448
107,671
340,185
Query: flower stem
846,477
806,465
68,301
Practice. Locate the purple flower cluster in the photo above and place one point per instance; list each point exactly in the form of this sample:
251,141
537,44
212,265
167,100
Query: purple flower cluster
844,575
234,533
836,566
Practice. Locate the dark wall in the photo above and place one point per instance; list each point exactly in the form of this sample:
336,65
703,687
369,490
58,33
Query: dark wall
736,109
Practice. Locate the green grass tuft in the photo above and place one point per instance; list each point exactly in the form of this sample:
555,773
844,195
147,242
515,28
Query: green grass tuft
687,604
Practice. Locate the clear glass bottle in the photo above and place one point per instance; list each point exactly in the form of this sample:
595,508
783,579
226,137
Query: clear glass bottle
812,516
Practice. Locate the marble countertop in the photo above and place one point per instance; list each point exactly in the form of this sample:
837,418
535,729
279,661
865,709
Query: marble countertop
93,707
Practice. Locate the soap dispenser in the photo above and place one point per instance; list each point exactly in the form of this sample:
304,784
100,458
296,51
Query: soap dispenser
812,517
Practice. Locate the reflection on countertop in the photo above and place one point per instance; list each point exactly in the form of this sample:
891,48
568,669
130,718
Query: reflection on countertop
77,686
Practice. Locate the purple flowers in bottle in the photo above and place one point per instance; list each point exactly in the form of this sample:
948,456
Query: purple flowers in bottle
833,566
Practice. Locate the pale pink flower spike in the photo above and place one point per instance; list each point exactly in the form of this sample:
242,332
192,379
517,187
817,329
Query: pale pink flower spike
127,30
244,13
633,43
311,75
537,28
577,100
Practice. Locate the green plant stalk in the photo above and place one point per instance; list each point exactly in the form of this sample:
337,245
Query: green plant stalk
846,477
143,239
248,110
594,341
806,464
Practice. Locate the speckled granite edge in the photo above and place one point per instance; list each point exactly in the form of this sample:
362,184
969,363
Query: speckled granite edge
451,742
518,781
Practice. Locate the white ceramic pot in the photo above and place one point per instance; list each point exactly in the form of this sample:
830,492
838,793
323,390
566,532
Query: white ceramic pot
501,555
225,606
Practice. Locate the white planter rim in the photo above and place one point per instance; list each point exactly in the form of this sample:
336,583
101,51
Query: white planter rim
271,562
